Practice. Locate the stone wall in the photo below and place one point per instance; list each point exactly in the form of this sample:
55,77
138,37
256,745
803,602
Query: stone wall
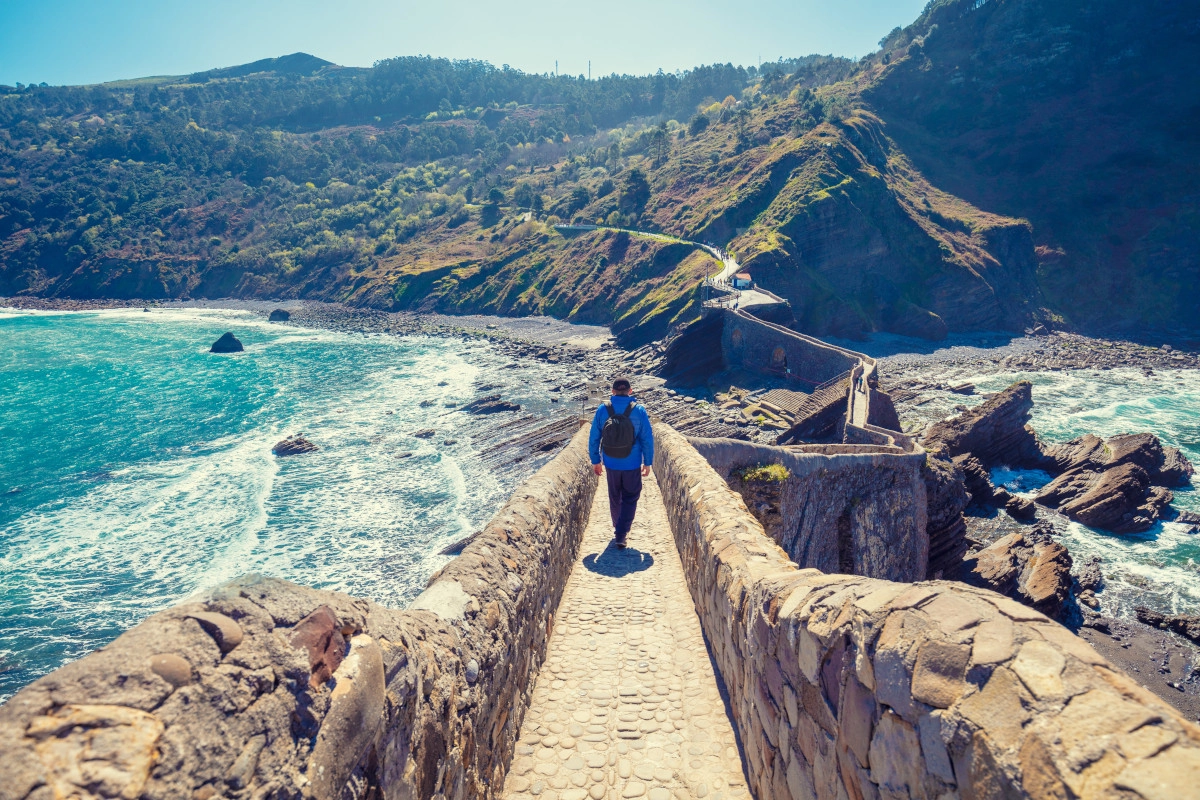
267,689
850,687
859,513
755,344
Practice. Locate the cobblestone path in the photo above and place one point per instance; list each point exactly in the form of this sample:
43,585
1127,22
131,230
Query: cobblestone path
627,703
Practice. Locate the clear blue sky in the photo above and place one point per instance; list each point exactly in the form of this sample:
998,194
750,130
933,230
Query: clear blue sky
89,41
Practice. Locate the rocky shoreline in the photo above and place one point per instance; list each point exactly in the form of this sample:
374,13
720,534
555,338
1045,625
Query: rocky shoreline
1028,564
1122,484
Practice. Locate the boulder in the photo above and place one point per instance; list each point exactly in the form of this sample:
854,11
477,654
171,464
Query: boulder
1186,625
293,446
1089,576
492,404
1021,509
1164,466
1119,499
280,315
228,343
1026,566
996,433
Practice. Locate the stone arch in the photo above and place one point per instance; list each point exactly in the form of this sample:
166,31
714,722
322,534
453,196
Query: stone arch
737,339
779,358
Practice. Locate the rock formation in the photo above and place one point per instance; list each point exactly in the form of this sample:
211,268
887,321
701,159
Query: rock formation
1186,625
228,343
1027,566
1087,580
492,404
1165,466
996,433
946,497
293,446
1118,484
280,315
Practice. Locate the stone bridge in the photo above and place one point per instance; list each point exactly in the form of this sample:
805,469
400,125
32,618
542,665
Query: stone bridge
716,658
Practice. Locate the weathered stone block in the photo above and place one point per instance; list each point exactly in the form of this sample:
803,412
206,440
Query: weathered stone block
938,678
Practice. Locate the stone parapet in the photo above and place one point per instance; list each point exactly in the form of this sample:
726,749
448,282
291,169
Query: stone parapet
856,512
750,342
852,687
265,689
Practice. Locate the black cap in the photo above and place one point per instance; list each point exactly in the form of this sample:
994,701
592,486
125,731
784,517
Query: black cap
621,384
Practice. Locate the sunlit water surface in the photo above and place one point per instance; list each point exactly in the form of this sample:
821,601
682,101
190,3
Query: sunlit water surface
136,467
1160,568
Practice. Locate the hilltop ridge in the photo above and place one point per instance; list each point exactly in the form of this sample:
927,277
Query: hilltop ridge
946,183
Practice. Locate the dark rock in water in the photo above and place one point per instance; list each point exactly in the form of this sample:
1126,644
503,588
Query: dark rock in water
427,403
293,446
1176,470
448,442
1164,466
1188,518
228,343
1186,625
1109,485
427,433
491,404
1021,509
1032,570
963,388
279,315
1089,576
457,547
996,433
405,454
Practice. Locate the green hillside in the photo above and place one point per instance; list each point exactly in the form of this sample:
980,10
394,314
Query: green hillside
993,164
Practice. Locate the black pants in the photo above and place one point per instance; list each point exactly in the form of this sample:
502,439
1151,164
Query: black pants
624,489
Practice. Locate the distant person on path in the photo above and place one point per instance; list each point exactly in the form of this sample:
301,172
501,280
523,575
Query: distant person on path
621,436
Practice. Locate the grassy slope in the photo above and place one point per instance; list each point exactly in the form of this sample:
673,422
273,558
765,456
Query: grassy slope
835,219
1083,119
862,203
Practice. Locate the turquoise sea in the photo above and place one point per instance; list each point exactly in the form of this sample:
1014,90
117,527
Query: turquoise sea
135,466
1159,568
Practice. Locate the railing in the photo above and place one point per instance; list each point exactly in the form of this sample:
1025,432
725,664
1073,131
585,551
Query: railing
832,381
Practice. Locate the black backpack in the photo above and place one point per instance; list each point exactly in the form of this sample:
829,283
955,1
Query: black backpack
617,436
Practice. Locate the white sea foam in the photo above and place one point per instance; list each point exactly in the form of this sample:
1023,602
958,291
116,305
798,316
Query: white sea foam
157,481
1160,568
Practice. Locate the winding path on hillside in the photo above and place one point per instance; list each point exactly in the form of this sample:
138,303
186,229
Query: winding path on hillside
627,704
729,268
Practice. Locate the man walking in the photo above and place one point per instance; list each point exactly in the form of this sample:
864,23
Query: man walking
621,434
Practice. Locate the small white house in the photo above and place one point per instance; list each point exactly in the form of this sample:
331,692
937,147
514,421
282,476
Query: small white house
743,281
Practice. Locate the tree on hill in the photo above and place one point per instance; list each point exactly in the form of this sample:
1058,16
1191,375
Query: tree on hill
635,191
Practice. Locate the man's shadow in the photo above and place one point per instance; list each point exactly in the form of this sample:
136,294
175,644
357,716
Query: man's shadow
618,563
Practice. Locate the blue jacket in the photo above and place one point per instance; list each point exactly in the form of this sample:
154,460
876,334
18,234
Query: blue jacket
643,446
